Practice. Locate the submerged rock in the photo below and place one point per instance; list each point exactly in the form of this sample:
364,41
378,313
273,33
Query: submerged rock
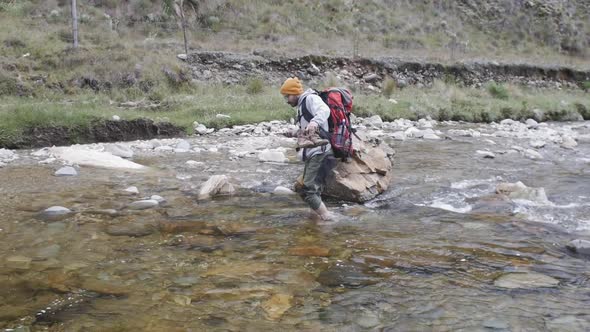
277,305
143,204
579,246
66,171
131,229
348,275
526,280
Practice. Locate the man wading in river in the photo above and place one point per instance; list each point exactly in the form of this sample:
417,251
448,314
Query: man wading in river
313,150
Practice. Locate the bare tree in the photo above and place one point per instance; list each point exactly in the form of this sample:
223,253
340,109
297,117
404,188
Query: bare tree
75,23
178,7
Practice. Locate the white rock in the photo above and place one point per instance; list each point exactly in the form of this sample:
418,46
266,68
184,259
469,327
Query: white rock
182,56
375,120
66,171
486,154
2,164
272,156
568,143
119,150
532,154
56,211
194,163
158,199
393,101
216,185
399,135
86,157
414,132
430,135
183,145
132,190
283,191
47,161
41,153
7,155
143,204
222,116
116,118
164,148
532,124
213,150
201,129
537,144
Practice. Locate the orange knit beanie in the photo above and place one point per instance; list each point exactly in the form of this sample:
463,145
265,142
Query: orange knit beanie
292,86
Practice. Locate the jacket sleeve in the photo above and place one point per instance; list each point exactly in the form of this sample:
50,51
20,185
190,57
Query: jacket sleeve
319,110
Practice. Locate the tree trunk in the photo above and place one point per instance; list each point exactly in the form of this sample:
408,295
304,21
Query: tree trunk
183,20
75,23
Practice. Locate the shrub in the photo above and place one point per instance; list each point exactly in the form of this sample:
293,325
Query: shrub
586,85
8,85
497,90
255,86
389,86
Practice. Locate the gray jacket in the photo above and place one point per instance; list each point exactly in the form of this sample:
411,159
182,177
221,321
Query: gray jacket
321,112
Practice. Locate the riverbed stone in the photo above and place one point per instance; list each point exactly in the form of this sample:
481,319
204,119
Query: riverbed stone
568,143
143,204
537,144
137,229
18,262
277,305
579,246
531,123
485,154
66,171
283,191
47,252
158,199
132,190
183,145
119,150
272,156
526,280
532,154
216,185
349,275
567,323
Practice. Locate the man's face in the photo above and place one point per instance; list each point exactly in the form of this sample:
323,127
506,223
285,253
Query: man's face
291,99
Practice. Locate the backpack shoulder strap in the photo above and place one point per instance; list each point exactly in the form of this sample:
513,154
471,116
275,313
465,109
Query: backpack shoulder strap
305,113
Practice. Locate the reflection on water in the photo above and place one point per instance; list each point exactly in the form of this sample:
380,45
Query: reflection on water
255,262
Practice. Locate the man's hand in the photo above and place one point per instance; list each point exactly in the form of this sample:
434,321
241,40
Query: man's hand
312,127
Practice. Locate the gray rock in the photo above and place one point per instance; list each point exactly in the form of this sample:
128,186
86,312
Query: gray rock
532,154
283,191
182,57
272,156
216,185
531,124
496,324
186,281
50,251
143,204
66,171
398,135
539,115
132,190
579,246
119,150
56,211
568,323
485,154
537,144
7,155
183,145
568,143
158,199
527,280
371,78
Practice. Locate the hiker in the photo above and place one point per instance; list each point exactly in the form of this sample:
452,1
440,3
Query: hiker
315,151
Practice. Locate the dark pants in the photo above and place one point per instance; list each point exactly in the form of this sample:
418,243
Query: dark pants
316,171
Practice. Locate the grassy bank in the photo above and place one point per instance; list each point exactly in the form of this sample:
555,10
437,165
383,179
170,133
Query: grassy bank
254,102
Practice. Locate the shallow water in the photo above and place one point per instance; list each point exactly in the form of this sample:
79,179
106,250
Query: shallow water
421,257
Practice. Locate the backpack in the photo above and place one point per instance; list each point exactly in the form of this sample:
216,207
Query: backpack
340,132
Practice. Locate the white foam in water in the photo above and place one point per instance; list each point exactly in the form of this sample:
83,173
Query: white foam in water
465,184
439,204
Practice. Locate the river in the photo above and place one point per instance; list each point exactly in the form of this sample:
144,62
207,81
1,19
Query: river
438,251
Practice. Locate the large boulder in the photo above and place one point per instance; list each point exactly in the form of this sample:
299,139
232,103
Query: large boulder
362,177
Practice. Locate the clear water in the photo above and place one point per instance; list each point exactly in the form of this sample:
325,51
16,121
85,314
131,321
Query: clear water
421,257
